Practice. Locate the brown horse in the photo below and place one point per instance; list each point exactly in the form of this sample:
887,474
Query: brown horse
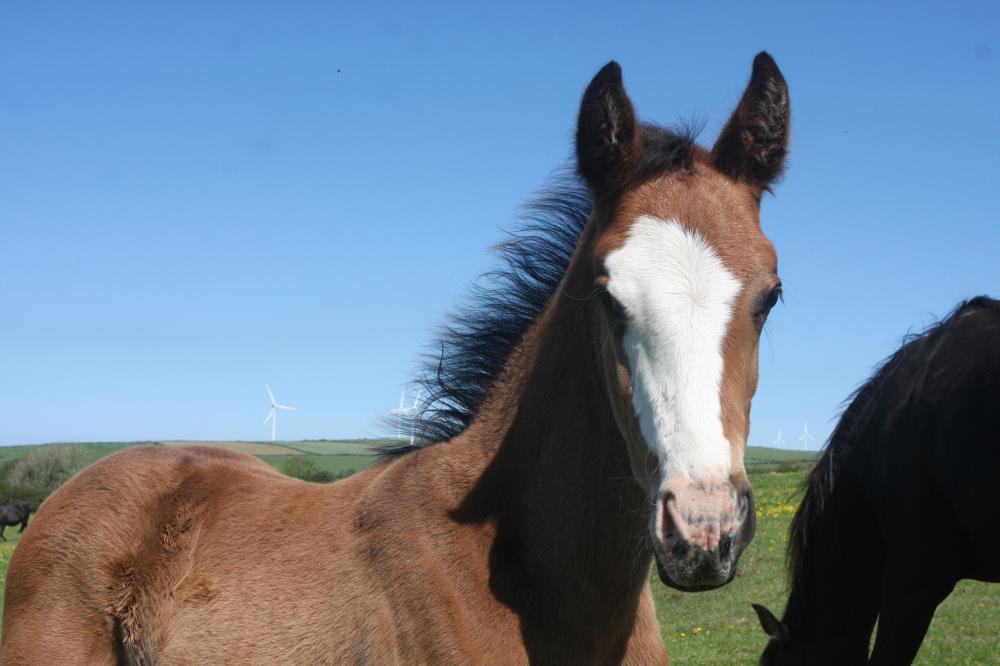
594,417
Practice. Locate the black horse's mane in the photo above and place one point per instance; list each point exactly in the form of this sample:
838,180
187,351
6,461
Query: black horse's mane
875,406
473,345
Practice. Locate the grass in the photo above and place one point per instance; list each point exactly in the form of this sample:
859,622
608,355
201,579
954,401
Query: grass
718,627
6,550
764,454
338,446
250,448
92,451
337,464
337,456
762,459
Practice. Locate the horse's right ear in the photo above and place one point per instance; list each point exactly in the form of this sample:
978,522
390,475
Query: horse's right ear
772,626
608,139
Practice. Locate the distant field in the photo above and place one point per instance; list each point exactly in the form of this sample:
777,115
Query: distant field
250,448
334,455
337,464
759,459
92,451
339,457
339,446
755,455
765,453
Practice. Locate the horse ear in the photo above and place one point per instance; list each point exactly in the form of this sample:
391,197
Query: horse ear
608,140
753,144
772,626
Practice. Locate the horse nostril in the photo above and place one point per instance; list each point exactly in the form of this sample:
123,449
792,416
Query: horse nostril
745,505
668,524
725,547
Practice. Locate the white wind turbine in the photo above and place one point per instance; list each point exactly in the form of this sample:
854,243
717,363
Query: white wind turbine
405,411
780,442
805,437
272,414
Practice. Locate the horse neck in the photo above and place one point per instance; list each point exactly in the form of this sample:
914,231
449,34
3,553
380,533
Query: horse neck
557,480
833,599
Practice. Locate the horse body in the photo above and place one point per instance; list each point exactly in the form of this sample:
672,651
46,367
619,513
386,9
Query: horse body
898,508
365,570
592,419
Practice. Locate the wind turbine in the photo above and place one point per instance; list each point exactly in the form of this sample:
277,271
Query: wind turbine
805,437
780,442
401,412
272,414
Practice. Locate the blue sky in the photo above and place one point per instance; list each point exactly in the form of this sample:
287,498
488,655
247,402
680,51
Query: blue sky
197,199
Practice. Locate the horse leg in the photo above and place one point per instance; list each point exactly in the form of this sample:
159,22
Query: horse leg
912,588
2,528
24,524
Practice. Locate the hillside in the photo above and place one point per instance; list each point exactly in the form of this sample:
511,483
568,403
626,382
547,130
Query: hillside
351,455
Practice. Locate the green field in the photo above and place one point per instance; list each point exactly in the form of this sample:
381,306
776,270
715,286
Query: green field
355,454
338,446
719,627
92,451
336,456
6,550
765,454
337,464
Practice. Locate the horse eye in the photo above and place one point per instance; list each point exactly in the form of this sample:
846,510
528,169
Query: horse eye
611,305
769,302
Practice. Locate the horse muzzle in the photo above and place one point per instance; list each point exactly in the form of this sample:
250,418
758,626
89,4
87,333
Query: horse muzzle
700,532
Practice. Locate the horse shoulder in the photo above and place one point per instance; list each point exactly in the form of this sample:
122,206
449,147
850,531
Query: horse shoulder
429,568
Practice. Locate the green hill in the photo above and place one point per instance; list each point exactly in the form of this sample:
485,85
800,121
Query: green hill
342,456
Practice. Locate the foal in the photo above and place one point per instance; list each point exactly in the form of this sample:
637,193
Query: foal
900,506
592,417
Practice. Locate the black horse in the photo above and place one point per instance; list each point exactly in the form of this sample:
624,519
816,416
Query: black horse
12,514
903,502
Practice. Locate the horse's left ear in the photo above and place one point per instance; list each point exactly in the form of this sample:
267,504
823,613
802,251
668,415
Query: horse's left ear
772,626
753,144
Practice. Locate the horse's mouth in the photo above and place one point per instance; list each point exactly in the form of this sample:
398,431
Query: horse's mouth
696,584
694,549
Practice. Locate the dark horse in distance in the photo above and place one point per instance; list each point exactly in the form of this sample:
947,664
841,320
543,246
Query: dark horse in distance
902,503
12,514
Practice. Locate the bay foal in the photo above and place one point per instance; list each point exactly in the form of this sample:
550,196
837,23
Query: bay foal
593,417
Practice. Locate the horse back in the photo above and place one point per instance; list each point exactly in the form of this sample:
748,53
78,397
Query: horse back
937,452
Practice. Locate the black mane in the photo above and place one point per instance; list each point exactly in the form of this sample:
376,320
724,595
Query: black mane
901,380
471,349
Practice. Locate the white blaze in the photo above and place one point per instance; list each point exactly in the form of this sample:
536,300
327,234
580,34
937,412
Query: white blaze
677,296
